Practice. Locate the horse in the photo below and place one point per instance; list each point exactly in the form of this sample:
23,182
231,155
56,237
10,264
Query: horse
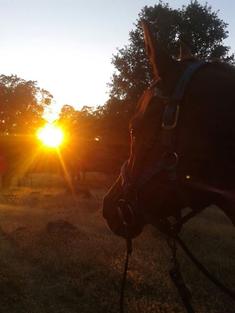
182,151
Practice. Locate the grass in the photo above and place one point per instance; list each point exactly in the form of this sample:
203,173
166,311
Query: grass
57,255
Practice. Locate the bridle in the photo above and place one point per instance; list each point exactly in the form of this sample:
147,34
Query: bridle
168,163
169,160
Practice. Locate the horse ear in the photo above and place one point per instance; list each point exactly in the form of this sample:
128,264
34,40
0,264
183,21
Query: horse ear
158,58
185,51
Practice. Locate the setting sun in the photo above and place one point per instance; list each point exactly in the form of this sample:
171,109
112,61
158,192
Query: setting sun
51,135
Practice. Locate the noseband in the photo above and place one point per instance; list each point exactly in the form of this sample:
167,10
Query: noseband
169,160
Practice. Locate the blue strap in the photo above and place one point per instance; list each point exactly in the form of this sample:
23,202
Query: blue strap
186,79
170,114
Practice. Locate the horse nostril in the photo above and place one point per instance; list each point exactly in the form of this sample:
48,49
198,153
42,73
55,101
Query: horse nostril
126,212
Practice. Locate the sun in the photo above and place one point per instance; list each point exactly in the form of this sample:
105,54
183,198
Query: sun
51,135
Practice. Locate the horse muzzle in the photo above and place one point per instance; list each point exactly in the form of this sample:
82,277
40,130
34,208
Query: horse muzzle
121,215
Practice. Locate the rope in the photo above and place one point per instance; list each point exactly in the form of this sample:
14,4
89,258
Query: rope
177,279
201,268
184,293
123,283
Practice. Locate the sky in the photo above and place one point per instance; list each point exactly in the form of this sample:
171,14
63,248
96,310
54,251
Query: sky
67,45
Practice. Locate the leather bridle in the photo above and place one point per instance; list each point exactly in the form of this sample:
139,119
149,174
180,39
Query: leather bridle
169,160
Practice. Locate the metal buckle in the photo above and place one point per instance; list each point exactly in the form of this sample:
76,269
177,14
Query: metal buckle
172,125
171,160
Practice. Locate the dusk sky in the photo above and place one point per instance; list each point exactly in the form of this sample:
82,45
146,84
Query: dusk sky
67,45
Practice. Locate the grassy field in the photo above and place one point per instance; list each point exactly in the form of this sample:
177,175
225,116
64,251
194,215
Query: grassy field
57,256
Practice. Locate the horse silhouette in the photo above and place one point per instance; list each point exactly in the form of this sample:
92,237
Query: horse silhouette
182,150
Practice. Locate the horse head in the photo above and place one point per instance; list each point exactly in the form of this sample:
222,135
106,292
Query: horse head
180,131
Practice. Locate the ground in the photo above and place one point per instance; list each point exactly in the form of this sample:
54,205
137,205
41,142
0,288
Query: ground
57,255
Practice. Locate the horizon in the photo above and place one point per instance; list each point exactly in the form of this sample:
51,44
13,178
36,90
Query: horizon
67,47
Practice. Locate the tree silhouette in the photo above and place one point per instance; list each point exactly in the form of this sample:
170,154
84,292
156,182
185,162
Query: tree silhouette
21,105
196,24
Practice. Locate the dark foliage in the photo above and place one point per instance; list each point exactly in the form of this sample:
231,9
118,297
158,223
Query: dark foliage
196,24
21,104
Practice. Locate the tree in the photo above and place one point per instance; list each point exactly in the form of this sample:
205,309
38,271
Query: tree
196,24
78,123
21,105
68,116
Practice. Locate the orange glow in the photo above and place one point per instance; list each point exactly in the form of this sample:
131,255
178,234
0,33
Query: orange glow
51,135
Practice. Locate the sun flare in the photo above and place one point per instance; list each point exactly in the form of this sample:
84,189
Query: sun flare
51,135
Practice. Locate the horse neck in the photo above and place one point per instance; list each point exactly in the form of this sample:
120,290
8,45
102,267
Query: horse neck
206,133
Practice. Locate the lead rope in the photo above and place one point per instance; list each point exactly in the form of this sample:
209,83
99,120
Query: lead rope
123,283
175,274
202,269
178,280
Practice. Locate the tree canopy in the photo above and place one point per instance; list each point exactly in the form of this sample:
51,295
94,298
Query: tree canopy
21,105
195,24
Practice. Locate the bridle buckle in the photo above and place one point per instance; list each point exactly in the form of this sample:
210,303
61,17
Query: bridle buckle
170,117
125,211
